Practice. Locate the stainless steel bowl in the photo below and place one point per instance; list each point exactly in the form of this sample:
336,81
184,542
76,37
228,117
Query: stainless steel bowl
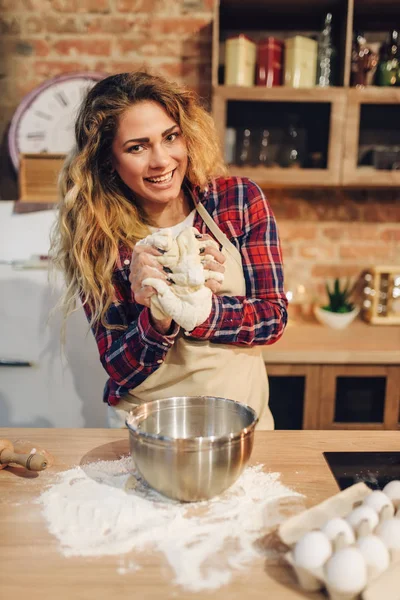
191,448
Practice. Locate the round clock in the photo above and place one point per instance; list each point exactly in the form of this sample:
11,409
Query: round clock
44,121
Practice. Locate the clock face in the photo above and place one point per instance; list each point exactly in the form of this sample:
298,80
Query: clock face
45,119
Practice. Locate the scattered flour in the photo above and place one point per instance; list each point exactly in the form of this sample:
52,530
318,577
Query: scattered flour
105,508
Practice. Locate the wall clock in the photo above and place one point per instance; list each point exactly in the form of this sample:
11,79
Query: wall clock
44,120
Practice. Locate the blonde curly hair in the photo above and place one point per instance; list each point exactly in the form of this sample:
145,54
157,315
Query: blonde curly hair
97,212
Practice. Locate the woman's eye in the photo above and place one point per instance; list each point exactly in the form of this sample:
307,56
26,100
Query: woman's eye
172,136
135,149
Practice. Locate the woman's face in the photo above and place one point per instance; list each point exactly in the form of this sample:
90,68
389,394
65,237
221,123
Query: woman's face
150,154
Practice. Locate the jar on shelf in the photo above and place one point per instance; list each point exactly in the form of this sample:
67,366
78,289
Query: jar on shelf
387,73
300,62
244,154
290,154
263,157
240,61
269,63
363,61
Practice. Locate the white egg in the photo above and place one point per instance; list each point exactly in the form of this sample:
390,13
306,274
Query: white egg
312,550
361,514
346,571
338,526
389,532
375,554
392,491
377,500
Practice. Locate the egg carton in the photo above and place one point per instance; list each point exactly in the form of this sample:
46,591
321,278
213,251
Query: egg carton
348,545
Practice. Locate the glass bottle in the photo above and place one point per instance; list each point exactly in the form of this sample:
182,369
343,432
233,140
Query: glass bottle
363,60
244,148
326,54
263,158
290,154
387,73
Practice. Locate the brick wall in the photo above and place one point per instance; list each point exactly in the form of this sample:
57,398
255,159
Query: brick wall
336,233
324,233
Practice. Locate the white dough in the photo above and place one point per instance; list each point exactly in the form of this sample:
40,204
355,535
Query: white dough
187,300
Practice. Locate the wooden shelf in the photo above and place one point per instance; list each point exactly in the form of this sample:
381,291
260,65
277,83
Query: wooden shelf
374,95
279,94
346,103
276,177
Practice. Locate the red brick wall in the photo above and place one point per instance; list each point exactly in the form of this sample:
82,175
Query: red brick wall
336,233
324,233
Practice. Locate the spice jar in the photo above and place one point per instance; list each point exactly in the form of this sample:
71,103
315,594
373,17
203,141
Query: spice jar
300,62
269,67
240,61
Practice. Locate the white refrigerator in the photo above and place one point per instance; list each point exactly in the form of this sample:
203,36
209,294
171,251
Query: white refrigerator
64,386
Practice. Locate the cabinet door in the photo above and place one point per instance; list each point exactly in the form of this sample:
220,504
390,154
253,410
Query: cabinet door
372,138
359,397
294,399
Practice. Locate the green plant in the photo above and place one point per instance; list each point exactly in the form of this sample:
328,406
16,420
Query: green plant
339,297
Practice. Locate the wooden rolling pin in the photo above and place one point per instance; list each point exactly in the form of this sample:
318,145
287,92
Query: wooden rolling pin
33,461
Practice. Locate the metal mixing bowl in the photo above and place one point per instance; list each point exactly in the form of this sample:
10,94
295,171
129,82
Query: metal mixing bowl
191,448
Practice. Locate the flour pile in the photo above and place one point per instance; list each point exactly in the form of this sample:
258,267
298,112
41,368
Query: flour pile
187,301
105,508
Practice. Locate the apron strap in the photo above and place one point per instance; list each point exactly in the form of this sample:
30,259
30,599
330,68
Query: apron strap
233,251
220,235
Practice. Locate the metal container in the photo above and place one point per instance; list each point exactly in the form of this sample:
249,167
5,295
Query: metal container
300,62
191,448
240,61
269,64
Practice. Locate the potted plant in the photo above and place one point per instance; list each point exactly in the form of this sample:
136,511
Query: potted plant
340,311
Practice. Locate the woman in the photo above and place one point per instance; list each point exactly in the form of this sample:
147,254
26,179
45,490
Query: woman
147,158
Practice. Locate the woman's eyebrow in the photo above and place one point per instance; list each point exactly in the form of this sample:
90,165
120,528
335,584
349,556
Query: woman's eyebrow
141,140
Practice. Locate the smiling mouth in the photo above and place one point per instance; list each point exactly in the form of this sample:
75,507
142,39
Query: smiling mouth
162,179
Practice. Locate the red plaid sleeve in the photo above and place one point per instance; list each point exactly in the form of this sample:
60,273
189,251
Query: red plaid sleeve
261,316
131,355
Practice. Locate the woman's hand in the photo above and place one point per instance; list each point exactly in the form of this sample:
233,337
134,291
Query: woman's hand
144,264
213,261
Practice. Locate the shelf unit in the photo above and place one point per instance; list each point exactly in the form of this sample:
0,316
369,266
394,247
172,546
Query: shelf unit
353,174
345,105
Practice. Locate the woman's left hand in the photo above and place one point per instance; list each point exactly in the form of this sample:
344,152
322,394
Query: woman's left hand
213,261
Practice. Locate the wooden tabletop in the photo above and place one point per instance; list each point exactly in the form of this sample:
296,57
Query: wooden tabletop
312,343
33,567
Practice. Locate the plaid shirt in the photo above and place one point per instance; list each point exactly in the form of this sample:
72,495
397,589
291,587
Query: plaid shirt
241,211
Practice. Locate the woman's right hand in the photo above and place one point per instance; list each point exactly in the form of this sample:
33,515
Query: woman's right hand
144,264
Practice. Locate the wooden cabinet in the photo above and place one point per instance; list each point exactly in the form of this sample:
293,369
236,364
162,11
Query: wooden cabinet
335,396
339,122
372,117
236,106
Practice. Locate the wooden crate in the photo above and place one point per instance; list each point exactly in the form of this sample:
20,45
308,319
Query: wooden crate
381,304
38,174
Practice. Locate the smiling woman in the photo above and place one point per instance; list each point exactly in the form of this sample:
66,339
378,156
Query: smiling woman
147,166
152,165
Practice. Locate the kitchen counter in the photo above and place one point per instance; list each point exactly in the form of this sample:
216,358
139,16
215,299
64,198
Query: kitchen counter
312,343
32,565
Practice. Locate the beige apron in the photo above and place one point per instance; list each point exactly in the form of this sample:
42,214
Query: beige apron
195,367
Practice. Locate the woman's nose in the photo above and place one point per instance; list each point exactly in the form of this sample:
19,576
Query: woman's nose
159,157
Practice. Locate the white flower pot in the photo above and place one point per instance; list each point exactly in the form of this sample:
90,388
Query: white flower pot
335,320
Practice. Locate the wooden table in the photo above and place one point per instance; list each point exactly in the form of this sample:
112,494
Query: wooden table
32,566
